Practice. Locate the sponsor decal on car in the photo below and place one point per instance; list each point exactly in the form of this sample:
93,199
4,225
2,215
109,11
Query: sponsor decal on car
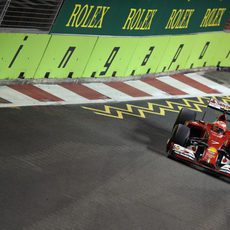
189,153
212,150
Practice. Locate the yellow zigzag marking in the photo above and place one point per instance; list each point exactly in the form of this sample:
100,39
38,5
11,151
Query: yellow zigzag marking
170,106
188,103
226,99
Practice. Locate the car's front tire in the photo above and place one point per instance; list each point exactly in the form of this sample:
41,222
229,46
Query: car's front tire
185,115
180,136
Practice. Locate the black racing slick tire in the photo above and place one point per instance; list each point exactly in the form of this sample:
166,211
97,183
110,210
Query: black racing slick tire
180,136
185,115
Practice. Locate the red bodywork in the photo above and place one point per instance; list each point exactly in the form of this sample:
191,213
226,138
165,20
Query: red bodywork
215,141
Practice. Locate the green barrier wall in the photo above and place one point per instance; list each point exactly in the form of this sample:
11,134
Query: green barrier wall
204,50
110,57
176,53
147,56
223,58
58,56
20,54
209,50
66,56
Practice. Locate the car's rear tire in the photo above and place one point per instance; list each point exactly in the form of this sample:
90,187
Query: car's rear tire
185,115
180,136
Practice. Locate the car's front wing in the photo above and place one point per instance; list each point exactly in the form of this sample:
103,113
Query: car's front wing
189,155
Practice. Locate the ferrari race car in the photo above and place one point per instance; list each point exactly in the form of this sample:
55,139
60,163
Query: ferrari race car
206,144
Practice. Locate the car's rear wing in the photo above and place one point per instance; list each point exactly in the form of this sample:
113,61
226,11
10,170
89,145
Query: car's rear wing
219,105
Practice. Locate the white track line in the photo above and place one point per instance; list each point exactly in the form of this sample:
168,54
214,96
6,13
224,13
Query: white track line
209,83
62,93
147,88
16,97
108,91
181,86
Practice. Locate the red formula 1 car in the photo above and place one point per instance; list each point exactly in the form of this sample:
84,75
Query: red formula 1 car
206,144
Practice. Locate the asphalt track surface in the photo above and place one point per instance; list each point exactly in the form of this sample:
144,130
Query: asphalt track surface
67,168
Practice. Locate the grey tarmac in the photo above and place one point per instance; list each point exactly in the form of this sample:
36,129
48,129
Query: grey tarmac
64,167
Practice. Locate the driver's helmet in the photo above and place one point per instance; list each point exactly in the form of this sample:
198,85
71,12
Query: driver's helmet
219,127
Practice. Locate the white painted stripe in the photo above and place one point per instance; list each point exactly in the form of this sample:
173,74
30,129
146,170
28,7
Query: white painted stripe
51,103
108,91
209,83
181,86
16,97
21,104
146,88
62,93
